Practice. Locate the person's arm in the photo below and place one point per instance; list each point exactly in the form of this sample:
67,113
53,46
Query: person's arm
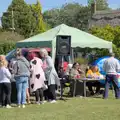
104,66
117,66
41,63
81,71
49,63
7,73
31,66
15,68
27,63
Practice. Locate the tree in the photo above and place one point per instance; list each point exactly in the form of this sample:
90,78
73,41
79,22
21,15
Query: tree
72,14
100,4
8,41
82,18
116,40
66,14
108,33
52,17
40,26
21,18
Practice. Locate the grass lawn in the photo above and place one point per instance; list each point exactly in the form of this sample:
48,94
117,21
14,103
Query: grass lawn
72,109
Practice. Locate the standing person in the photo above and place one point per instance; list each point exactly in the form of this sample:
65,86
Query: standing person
25,54
22,74
11,67
37,77
27,93
51,75
5,83
111,67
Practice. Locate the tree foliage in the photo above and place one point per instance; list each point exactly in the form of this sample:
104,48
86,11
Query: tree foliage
82,18
109,33
72,14
27,19
40,25
22,17
6,36
66,14
8,40
52,17
6,47
106,32
100,4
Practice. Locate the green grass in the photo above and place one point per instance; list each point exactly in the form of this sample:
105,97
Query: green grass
72,109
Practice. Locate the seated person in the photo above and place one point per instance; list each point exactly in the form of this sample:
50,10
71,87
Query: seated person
76,71
64,78
93,73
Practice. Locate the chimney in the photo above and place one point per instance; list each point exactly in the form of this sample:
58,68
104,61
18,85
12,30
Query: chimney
93,7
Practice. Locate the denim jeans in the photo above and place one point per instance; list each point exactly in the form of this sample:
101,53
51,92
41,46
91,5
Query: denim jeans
21,84
111,79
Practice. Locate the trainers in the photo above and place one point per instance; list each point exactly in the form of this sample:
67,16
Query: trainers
8,106
49,100
44,101
38,103
18,106
53,101
23,106
3,106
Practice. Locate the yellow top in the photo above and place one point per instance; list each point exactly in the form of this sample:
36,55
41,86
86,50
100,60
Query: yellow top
90,73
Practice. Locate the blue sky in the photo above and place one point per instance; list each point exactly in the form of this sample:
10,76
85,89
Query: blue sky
48,4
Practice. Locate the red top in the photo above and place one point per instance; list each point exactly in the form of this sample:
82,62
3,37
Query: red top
65,65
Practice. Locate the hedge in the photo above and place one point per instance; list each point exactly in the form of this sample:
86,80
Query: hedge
6,47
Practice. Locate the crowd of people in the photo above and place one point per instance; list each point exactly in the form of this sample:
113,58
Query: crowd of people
38,74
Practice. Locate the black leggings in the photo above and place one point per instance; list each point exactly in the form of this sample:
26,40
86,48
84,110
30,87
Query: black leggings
5,93
39,95
51,90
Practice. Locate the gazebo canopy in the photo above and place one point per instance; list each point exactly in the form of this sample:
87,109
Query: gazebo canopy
78,39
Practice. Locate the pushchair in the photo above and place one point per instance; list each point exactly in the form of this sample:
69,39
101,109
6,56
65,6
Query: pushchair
64,82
